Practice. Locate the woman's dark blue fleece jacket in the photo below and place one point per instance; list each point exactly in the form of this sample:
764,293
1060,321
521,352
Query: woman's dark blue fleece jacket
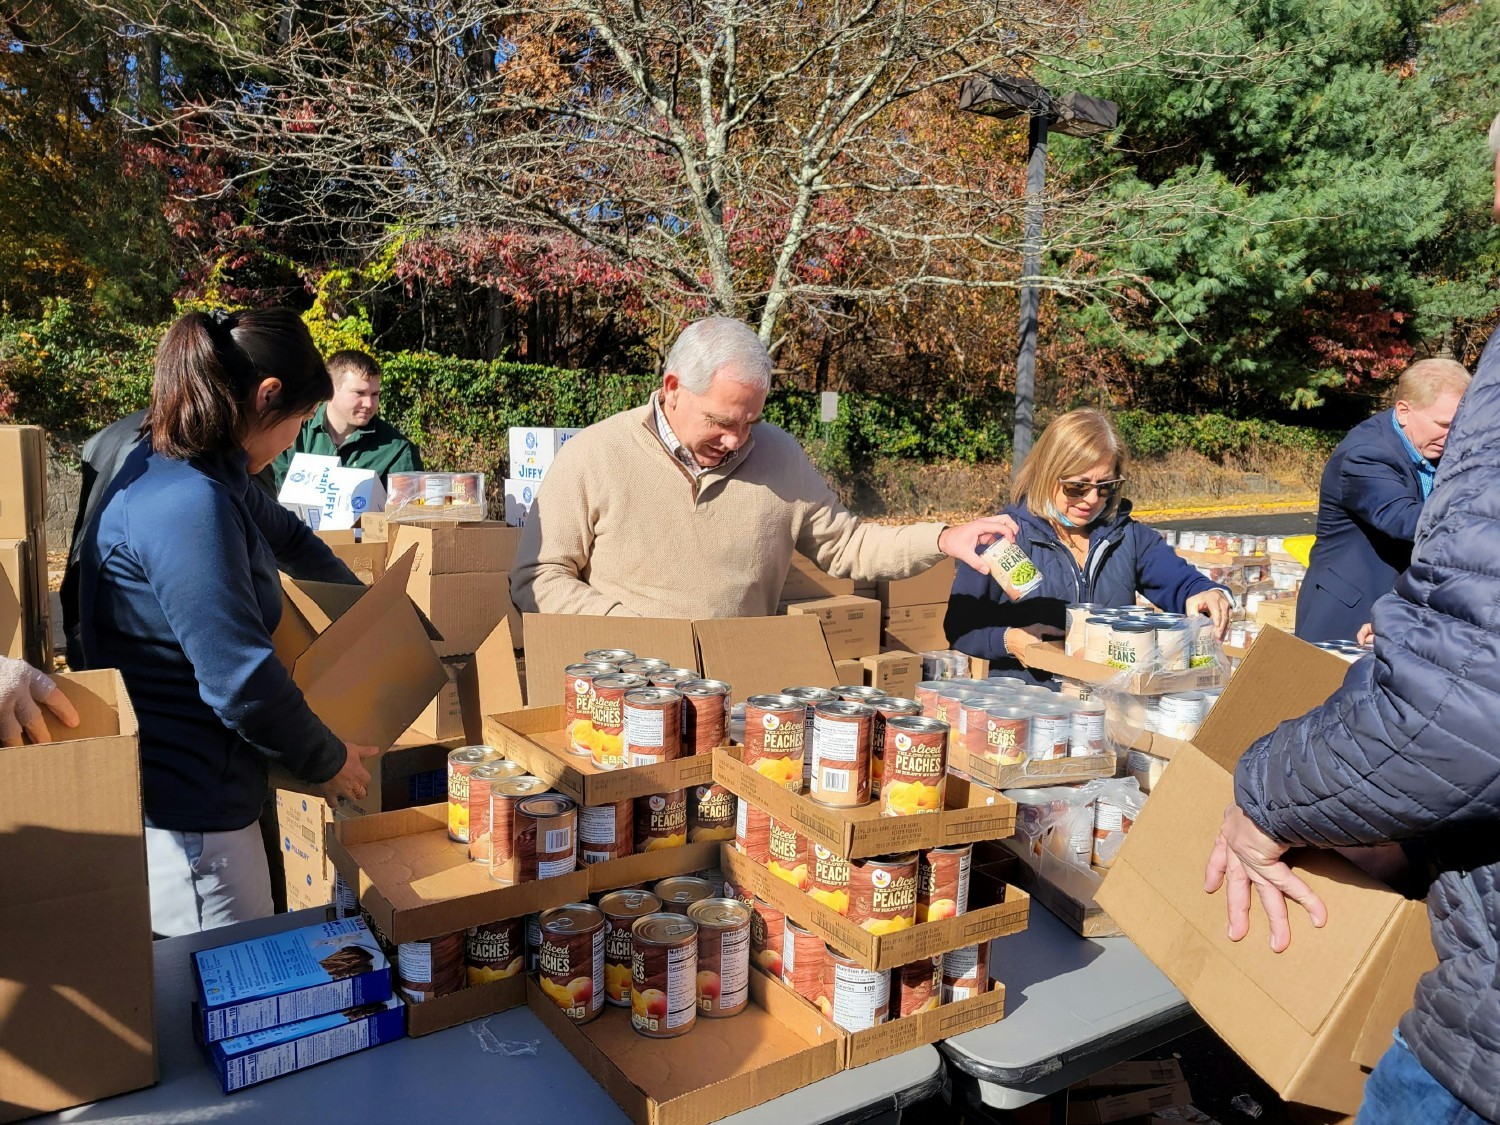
180,592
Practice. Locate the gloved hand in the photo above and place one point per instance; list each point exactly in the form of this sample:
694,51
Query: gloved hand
23,693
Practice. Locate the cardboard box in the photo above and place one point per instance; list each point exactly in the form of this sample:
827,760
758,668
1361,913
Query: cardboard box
360,655
302,820
16,611
851,625
849,671
263,1055
648,867
1136,1073
285,977
323,493
753,655
987,918
895,672
80,1021
916,628
805,580
1299,1018
534,737
855,833
23,480
1278,613
776,1045
1030,773
928,588
444,717
360,550
412,773
534,448
1107,1108
460,579
485,683
1063,888
519,496
1049,657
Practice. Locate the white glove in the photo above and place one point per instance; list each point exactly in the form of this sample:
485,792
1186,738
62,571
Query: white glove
23,692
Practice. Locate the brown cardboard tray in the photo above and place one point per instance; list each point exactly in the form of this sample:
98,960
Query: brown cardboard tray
1028,774
1069,893
776,1045
470,1003
1049,657
854,833
647,867
415,883
898,1035
534,737
882,951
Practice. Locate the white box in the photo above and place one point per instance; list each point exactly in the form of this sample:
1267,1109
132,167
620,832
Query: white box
326,496
532,450
519,495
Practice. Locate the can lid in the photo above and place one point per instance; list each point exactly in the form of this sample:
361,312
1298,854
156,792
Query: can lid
673,677
720,913
644,665
473,755
917,724
859,691
895,860
683,888
781,702
591,668
1134,627
810,694
1008,712
843,709
895,705
498,769
523,786
629,904
703,687
573,918
652,696
626,680
665,929
609,655
544,805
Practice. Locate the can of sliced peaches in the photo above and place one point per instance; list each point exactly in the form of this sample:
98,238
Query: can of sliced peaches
915,764
723,956
943,882
775,730
828,879
883,893
620,910
664,975
572,959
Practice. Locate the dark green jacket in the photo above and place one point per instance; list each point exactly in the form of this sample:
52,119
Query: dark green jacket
378,447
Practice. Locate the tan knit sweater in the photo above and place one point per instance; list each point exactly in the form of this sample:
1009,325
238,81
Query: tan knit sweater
619,527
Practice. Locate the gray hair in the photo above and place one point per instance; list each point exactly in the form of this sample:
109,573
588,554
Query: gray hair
1495,136
719,344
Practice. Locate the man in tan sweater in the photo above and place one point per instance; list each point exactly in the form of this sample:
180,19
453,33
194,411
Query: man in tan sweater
690,506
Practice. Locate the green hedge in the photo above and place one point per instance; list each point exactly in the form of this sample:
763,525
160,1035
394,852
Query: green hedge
75,372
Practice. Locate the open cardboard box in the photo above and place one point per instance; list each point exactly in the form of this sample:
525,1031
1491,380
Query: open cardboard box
1028,774
1304,1019
855,833
776,1045
987,918
648,867
460,578
79,1019
534,736
1065,889
1050,657
484,683
754,655
361,656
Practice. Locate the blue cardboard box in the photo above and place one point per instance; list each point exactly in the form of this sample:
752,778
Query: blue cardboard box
262,1055
288,977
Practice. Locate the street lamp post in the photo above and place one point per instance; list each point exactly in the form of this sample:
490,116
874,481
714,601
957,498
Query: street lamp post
1077,115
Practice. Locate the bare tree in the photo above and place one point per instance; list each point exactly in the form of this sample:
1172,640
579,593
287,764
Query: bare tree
747,157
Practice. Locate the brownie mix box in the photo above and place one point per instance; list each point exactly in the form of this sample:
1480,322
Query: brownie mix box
287,977
259,1056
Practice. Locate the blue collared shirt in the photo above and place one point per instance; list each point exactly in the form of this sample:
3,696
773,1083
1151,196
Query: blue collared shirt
1426,470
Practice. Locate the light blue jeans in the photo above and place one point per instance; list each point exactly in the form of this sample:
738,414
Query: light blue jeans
1400,1091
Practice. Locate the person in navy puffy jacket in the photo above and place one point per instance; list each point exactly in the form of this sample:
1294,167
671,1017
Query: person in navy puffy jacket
1076,528
1371,495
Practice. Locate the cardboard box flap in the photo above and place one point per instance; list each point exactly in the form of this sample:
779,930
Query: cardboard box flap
372,671
555,640
103,708
1291,677
1414,956
756,655
490,683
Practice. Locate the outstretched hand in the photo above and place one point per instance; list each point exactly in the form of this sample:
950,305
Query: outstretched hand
1244,856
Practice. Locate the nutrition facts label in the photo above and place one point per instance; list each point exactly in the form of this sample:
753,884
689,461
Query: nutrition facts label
861,997
682,985
734,968
644,728
596,825
414,960
551,868
1107,817
835,741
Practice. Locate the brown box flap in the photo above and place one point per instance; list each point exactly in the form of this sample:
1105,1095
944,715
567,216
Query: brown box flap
555,640
758,655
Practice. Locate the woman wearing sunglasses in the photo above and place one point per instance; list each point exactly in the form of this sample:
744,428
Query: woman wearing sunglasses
1075,525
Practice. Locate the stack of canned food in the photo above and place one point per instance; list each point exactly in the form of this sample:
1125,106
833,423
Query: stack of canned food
1223,542
428,496
1083,825
944,664
622,710
1126,638
1008,720
848,746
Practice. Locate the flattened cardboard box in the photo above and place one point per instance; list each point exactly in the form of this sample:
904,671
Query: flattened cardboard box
855,833
985,920
79,1022
534,737
754,655
1296,1018
851,625
415,883
776,1045
1134,1073
1109,1108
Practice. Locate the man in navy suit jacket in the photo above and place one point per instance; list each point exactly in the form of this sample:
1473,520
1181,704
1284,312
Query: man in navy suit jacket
1372,494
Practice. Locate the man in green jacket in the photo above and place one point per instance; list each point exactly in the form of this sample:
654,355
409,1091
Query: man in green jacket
346,426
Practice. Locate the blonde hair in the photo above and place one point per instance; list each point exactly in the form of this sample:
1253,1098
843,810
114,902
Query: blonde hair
1072,444
1422,382
351,364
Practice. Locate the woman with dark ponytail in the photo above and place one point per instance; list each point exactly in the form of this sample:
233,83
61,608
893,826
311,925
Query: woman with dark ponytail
180,592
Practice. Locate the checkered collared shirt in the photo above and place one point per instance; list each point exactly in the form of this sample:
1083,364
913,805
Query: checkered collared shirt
674,445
